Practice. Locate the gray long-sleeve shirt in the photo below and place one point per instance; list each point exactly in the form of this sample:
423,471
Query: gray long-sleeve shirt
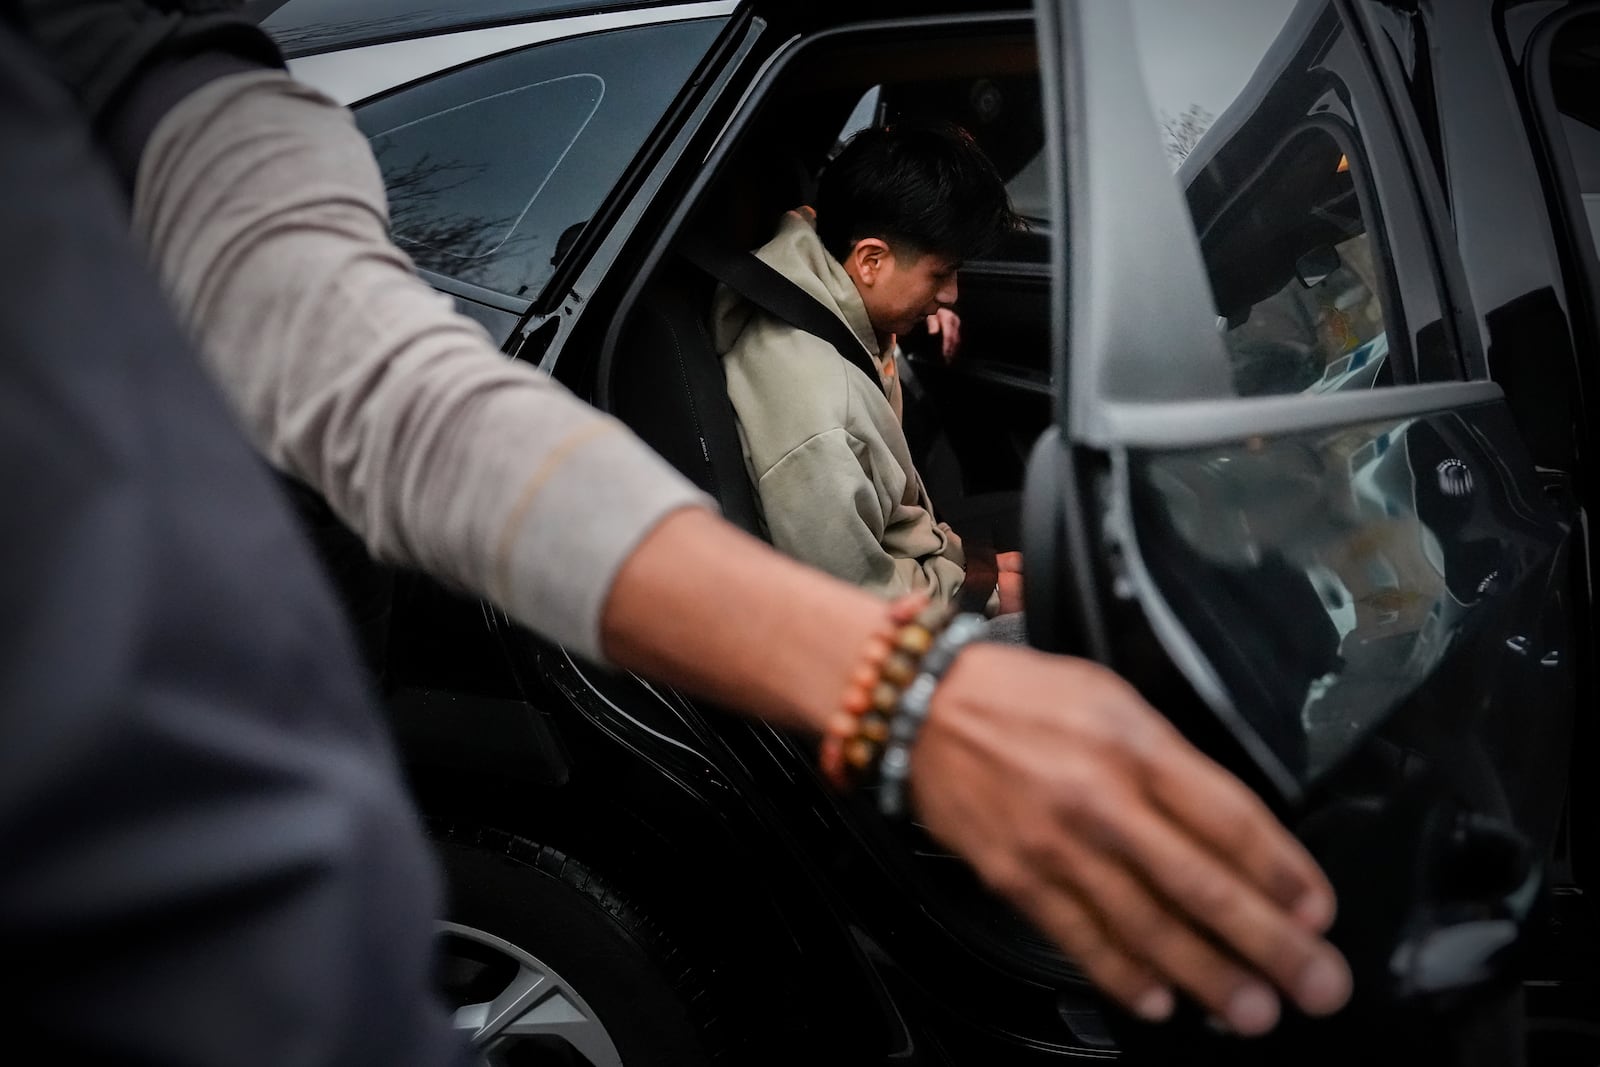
266,216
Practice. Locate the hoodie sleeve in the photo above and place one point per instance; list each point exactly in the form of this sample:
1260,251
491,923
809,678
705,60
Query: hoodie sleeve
889,550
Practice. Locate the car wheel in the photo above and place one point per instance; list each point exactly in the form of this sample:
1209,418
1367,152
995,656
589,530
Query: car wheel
543,961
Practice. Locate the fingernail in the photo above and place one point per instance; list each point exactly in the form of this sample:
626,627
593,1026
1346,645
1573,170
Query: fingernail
1252,1010
1324,986
1315,911
1155,1006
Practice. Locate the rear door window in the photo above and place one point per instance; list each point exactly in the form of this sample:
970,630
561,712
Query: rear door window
492,170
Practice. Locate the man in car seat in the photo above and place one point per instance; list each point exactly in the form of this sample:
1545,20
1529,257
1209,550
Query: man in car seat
897,212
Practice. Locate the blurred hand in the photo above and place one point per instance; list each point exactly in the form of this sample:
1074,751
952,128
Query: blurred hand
1151,866
1009,581
945,324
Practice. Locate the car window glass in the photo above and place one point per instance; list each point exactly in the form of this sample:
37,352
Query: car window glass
492,170
1029,191
1273,172
463,148
868,112
1574,73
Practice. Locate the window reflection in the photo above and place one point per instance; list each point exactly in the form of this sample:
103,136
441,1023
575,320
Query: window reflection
458,188
492,170
1272,180
1359,554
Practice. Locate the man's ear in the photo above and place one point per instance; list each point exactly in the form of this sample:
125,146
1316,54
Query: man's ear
867,259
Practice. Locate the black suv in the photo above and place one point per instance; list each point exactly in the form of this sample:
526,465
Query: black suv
1289,375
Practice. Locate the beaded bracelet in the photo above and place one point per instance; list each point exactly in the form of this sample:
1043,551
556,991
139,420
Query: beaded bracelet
912,710
854,738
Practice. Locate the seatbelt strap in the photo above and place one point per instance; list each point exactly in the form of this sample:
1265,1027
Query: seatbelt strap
747,275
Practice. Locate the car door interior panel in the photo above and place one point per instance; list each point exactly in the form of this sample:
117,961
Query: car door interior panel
1361,585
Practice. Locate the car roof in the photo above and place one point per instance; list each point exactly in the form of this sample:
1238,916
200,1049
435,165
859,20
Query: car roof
303,27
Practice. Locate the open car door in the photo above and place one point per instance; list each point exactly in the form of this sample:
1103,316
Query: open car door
1278,500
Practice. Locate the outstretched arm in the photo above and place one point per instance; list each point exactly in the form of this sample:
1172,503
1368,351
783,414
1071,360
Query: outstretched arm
265,213
1072,797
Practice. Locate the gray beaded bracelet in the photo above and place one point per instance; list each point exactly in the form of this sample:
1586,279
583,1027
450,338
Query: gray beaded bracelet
912,710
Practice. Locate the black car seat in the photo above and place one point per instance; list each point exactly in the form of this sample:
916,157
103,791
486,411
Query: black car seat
664,377
666,382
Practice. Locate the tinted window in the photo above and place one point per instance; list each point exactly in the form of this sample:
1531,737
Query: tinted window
1292,270
1260,135
492,170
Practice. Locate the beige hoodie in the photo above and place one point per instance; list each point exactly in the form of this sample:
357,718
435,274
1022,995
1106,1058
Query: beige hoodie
823,444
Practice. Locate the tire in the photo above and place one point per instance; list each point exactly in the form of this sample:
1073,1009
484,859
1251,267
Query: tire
1563,1043
611,988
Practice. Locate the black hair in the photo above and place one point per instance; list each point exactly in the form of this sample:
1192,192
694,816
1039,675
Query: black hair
924,188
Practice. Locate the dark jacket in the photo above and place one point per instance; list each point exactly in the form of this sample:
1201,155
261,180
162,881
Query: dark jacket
206,851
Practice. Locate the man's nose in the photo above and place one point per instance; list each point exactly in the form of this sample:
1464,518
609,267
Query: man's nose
947,293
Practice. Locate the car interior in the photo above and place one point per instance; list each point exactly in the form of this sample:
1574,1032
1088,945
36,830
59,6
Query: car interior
977,416
983,411
658,372
970,423
1293,271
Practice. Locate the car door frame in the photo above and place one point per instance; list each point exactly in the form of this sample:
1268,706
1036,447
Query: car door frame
1121,212
1126,230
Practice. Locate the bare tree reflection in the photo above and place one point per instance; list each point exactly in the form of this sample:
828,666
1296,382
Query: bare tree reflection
425,217
1181,133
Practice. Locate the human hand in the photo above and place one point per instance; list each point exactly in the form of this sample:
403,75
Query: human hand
945,324
1009,581
1146,862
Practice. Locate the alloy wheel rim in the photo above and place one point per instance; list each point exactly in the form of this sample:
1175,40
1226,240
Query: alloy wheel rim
531,1004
